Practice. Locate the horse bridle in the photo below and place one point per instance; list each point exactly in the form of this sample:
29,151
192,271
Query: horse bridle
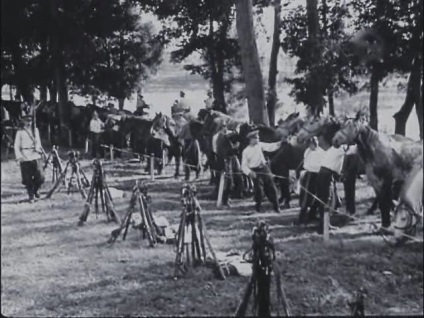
411,214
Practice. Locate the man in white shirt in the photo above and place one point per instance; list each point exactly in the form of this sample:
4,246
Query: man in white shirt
28,153
255,166
96,129
331,168
308,182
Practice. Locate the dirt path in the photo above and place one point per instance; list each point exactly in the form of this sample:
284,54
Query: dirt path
51,267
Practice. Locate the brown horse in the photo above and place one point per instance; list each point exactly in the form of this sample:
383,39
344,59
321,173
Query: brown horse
387,159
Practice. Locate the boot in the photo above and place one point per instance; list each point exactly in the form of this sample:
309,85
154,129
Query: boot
36,194
30,194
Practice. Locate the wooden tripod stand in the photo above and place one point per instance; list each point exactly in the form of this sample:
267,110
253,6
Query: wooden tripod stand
263,265
56,162
99,189
76,172
192,223
148,227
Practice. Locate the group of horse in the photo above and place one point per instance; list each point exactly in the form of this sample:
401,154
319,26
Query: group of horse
390,162
387,160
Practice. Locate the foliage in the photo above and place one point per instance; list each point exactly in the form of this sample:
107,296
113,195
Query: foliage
333,69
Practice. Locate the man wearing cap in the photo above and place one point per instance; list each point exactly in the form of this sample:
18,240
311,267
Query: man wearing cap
209,101
96,130
255,166
28,153
182,107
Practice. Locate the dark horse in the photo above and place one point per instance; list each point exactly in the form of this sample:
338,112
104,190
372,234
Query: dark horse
388,160
185,145
141,140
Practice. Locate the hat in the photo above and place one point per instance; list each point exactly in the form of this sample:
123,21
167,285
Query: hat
209,93
182,93
27,118
253,134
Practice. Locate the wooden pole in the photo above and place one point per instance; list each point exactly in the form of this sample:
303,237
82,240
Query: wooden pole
220,190
86,145
152,167
111,152
326,231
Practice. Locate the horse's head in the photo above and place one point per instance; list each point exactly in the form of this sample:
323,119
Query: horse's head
162,128
311,127
290,126
405,221
347,134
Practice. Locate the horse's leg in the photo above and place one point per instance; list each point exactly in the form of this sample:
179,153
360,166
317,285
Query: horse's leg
350,189
285,188
177,157
374,205
385,202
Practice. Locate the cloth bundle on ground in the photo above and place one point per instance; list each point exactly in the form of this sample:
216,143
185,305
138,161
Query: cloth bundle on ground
165,233
232,263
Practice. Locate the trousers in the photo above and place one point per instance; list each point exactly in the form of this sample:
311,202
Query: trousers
308,188
32,175
264,179
95,144
324,179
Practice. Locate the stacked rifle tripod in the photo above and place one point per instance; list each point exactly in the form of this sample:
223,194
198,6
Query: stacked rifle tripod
192,235
99,191
148,227
76,172
263,266
56,162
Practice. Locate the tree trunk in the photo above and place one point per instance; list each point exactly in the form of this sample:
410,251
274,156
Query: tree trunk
121,103
374,81
250,61
418,95
401,117
58,65
316,99
330,97
20,74
52,92
273,64
43,84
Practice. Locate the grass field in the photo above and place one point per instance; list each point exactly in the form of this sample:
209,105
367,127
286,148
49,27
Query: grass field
52,267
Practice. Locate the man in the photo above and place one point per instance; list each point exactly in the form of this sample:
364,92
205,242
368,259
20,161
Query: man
255,166
183,103
96,129
209,101
141,106
308,181
331,167
28,153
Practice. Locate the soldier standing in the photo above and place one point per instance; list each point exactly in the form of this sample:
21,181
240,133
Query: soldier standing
255,166
28,153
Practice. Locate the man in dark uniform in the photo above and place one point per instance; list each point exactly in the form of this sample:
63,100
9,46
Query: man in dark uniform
28,153
255,166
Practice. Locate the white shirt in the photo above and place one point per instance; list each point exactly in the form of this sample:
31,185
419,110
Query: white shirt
333,159
27,146
215,141
96,126
5,114
353,149
312,159
253,156
209,103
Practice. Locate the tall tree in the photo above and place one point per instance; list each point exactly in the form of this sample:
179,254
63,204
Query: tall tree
258,113
273,63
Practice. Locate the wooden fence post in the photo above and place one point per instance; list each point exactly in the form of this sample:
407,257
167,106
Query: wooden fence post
86,145
111,152
152,167
220,189
326,231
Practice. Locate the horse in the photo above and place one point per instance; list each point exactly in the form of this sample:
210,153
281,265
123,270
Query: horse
408,212
388,160
325,128
185,142
142,142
